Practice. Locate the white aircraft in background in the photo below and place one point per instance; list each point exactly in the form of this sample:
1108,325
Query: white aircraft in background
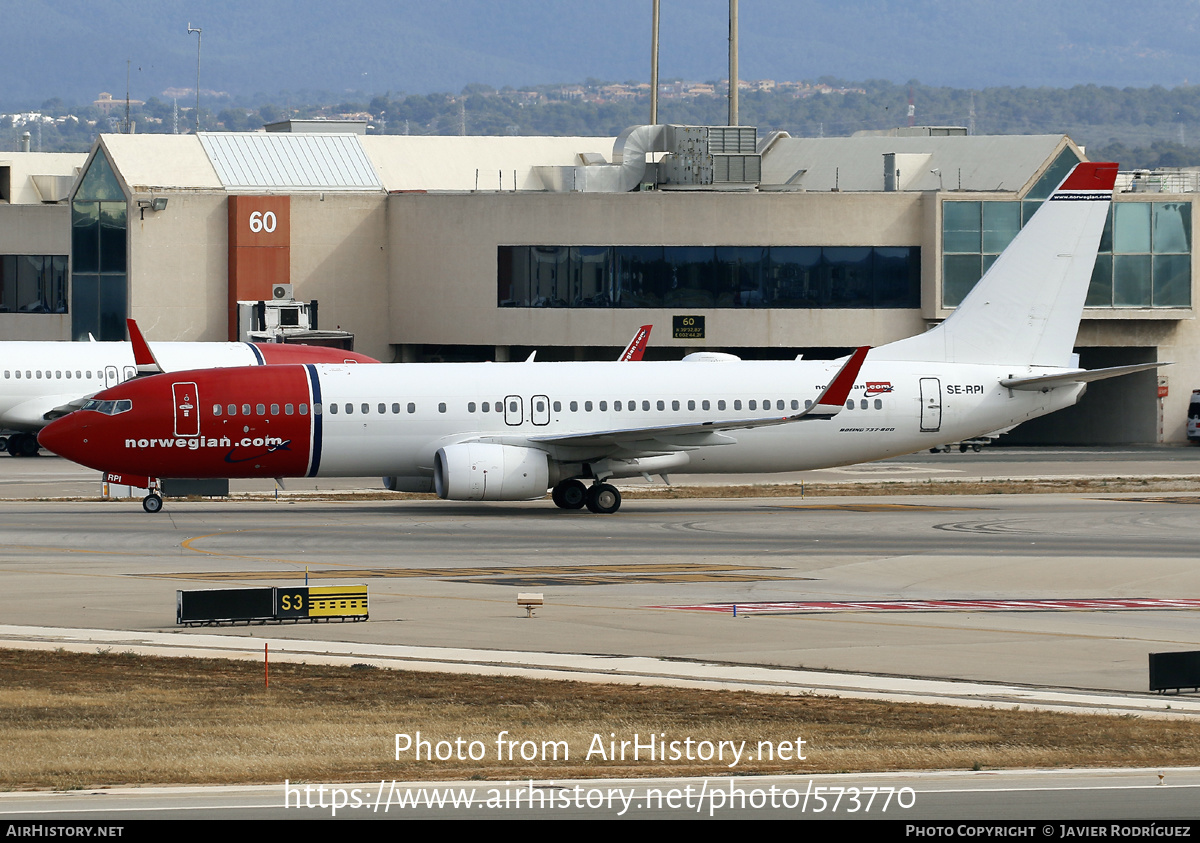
510,431
40,380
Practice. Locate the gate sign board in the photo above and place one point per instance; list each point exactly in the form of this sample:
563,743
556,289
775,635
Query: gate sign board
687,327
260,242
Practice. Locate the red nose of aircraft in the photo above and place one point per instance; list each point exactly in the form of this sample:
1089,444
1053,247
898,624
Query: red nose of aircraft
68,437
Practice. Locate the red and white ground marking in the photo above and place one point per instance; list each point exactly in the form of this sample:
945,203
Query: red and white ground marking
814,606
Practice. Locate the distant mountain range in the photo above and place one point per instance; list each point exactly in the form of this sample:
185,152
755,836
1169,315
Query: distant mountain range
74,49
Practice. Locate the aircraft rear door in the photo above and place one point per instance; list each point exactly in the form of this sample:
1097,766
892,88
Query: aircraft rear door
539,409
931,405
187,409
111,376
514,410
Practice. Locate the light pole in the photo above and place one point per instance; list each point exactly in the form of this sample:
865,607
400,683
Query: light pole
199,38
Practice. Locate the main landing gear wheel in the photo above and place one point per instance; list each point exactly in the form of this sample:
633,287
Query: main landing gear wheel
569,494
22,445
603,498
152,503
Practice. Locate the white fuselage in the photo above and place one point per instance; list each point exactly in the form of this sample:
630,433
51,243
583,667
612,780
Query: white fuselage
898,408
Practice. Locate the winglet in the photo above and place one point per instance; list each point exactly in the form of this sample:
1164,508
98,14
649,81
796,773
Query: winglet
833,397
637,345
142,355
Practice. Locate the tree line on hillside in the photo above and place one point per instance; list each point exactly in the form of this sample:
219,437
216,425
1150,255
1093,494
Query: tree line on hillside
1140,127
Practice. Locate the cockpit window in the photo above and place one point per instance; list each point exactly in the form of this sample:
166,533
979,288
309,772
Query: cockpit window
108,408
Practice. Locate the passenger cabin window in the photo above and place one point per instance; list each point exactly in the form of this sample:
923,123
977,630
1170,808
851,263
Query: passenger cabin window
333,409
412,408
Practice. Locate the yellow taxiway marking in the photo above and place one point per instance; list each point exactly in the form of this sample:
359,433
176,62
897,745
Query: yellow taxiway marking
67,549
559,574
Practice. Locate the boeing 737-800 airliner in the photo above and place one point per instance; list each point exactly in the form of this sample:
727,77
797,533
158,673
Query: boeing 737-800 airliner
511,431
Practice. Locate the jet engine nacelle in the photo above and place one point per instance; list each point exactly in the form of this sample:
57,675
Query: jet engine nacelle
476,471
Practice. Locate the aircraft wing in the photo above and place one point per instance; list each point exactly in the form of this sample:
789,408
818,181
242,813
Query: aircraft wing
1041,382
676,437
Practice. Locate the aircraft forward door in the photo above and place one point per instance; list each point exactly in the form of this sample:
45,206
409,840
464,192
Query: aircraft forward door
187,409
931,405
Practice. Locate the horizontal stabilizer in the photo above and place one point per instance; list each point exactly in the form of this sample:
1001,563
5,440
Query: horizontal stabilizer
1036,384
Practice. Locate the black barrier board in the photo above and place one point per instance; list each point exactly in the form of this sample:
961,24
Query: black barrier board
1172,671
223,604
211,488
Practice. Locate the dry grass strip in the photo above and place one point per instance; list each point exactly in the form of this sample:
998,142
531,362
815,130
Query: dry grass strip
72,720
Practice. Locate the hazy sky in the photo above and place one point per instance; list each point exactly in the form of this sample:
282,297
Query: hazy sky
75,48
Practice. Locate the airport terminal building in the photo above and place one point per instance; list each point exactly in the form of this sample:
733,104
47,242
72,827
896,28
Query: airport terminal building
487,248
